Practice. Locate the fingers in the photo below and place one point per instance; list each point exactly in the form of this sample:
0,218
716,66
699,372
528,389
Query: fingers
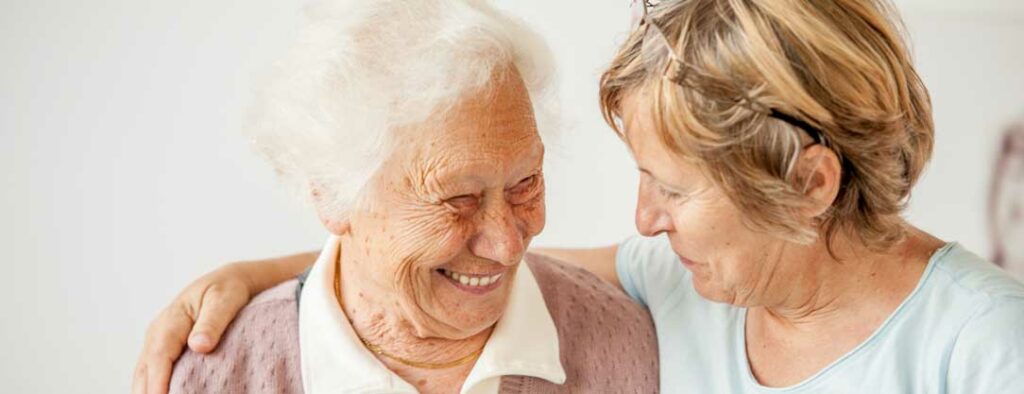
219,306
197,318
158,376
165,341
139,379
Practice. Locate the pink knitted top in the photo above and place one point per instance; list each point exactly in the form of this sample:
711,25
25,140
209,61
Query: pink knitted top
607,342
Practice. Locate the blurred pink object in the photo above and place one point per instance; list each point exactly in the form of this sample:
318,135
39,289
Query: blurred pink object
1006,203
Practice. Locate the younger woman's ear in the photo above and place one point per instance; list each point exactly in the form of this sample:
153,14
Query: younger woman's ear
822,176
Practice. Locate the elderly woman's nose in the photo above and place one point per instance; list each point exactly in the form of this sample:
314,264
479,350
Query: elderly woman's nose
651,219
499,237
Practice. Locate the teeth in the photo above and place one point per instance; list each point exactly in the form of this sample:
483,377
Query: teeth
472,281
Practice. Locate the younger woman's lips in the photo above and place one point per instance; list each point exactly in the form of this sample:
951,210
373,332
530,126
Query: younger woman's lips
687,262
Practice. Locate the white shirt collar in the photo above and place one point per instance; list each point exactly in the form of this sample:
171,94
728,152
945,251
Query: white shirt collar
524,341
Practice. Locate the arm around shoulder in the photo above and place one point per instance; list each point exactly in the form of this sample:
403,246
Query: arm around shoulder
599,261
259,351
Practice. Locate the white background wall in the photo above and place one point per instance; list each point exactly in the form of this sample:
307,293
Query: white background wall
124,176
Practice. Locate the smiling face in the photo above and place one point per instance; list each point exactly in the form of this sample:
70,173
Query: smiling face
446,220
730,261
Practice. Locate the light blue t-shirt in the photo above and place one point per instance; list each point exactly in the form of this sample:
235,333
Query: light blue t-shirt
960,331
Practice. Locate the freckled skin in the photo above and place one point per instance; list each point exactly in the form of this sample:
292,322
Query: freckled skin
463,192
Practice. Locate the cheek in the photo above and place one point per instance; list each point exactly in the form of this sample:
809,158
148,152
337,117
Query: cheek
410,243
429,231
702,230
531,216
712,233
425,241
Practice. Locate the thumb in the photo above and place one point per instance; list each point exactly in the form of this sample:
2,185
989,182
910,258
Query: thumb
218,307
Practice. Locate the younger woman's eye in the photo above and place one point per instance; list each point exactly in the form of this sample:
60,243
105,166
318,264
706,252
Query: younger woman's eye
671,195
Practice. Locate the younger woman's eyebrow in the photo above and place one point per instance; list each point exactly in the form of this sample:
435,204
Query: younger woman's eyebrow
661,181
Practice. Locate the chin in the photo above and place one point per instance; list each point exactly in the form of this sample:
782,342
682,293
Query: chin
713,293
455,317
459,326
479,326
473,317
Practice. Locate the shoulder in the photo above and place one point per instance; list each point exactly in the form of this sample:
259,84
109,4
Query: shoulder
607,340
566,286
650,272
988,352
975,275
259,352
991,299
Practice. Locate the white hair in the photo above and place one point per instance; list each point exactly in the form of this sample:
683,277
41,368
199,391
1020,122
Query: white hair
362,68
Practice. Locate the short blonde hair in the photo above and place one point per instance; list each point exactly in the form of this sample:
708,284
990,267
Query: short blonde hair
840,66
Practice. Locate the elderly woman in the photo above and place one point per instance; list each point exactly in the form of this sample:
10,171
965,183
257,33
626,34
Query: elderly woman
431,200
778,142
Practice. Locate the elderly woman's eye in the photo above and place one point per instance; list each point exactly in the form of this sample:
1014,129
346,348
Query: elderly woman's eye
524,184
463,202
524,190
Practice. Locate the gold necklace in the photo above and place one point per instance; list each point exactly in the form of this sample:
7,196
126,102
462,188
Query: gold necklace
378,350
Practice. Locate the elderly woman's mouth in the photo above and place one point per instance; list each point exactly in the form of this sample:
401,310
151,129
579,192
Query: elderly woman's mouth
473,283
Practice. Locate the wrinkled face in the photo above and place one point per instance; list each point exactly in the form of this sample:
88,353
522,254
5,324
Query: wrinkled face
450,214
730,262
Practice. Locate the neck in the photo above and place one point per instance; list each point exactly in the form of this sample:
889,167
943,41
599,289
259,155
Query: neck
378,318
830,304
855,282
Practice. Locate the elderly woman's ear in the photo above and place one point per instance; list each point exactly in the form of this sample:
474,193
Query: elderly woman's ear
337,223
822,174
